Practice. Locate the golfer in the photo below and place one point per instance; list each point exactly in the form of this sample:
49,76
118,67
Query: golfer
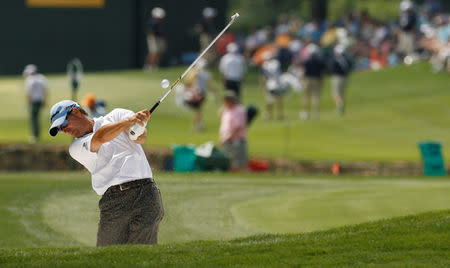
131,206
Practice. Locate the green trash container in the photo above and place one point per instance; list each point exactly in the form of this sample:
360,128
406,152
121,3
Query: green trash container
432,159
184,158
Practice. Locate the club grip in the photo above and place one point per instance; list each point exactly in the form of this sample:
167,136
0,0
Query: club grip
136,130
154,106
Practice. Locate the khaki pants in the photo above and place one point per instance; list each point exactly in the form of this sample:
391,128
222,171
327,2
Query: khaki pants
205,40
338,83
156,45
312,95
405,43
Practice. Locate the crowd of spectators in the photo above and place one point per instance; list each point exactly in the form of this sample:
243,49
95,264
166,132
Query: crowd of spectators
294,53
420,32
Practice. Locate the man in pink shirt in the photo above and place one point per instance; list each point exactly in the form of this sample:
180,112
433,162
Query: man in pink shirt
233,131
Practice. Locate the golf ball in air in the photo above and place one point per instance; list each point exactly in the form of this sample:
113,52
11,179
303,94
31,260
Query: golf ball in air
165,83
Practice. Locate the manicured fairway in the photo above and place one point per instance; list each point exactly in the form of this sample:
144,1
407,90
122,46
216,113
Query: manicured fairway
60,209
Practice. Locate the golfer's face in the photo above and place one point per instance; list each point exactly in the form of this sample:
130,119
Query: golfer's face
75,126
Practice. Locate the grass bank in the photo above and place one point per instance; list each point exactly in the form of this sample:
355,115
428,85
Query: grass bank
413,241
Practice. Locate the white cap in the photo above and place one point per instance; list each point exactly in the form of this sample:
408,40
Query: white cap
405,5
209,12
58,115
158,13
232,47
29,69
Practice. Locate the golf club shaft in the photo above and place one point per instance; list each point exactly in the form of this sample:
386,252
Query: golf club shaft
136,130
193,63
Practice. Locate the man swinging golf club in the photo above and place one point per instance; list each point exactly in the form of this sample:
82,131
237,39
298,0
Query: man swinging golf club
110,148
131,206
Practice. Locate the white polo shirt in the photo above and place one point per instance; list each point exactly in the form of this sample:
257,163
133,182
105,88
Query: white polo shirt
117,161
36,87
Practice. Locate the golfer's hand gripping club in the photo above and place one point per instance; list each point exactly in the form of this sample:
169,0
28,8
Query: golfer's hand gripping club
136,130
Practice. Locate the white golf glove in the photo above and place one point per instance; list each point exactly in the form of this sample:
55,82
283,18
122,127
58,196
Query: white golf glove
136,130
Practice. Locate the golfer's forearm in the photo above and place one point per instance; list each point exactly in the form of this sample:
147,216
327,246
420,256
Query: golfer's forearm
108,132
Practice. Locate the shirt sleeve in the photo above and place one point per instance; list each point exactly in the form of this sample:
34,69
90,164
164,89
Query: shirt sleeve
80,150
117,115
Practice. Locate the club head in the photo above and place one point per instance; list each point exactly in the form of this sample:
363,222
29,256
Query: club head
235,16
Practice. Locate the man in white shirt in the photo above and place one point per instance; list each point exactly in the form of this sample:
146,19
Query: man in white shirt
131,206
232,67
36,94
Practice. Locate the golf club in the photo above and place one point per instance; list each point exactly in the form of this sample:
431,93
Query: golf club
136,130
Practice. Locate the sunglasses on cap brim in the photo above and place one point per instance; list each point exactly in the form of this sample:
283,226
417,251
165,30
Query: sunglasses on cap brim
66,121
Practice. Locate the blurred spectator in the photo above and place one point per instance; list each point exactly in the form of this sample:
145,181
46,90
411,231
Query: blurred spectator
408,22
351,24
284,55
367,28
436,39
74,70
233,131
282,26
197,84
233,68
207,32
255,40
250,44
340,67
156,38
222,43
100,106
36,95
92,106
270,81
432,7
314,72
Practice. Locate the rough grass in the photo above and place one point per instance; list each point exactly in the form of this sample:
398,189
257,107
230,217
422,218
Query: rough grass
388,113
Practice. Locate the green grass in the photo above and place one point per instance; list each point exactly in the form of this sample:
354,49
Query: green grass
49,219
414,241
388,113
60,209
